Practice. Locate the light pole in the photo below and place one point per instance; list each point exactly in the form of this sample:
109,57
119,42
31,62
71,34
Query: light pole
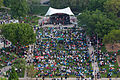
94,58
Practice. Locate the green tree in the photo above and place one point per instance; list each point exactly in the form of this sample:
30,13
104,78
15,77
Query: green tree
19,8
7,3
112,6
13,74
1,3
19,34
96,4
20,65
75,5
112,37
97,22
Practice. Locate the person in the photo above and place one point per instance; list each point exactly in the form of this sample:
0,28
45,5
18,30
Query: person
65,76
61,78
43,78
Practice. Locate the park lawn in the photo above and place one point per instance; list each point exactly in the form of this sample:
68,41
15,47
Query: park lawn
103,49
3,78
104,75
32,20
5,58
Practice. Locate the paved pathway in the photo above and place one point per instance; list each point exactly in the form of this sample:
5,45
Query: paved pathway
4,69
94,64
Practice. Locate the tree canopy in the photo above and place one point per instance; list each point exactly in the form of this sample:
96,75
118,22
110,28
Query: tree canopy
19,34
96,4
20,65
112,37
19,8
75,5
7,3
1,3
112,6
97,22
13,74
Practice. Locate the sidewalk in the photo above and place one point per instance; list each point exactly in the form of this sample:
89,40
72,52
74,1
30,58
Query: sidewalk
4,69
94,64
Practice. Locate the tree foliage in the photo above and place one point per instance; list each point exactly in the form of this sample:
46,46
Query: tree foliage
112,6
19,34
7,3
19,8
20,65
75,5
1,3
96,4
112,37
97,22
13,74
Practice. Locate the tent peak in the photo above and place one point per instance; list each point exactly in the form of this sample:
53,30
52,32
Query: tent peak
52,11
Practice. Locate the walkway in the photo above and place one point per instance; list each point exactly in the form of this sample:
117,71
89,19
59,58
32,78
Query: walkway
94,63
4,69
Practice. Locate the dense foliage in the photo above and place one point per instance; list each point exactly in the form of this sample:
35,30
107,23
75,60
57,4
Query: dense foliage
112,37
97,22
19,34
19,8
75,5
1,3
112,6
7,3
20,65
96,4
13,74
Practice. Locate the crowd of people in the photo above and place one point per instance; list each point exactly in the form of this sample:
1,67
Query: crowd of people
107,61
6,19
60,19
64,53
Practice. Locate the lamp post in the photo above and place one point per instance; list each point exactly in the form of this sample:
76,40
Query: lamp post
94,58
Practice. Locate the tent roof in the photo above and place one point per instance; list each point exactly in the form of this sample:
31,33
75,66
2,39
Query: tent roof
52,11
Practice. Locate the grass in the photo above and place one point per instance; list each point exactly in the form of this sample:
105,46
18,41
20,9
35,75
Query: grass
3,78
103,49
33,20
5,58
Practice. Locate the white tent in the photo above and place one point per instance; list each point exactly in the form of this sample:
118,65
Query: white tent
52,11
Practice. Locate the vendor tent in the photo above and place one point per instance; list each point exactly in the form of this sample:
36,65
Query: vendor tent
52,11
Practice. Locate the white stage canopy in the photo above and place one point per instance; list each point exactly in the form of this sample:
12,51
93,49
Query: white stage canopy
52,11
